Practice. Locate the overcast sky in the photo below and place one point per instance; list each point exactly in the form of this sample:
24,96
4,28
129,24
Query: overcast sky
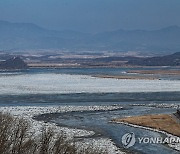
93,15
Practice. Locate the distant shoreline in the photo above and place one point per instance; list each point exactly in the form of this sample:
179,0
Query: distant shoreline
127,77
161,72
75,65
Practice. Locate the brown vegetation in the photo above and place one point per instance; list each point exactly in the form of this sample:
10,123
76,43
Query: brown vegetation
162,122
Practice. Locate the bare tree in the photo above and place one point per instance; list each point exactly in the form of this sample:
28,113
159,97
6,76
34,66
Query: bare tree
15,138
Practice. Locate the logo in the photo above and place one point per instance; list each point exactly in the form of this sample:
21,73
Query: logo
128,140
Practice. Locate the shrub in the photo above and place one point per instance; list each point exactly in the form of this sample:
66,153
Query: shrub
16,139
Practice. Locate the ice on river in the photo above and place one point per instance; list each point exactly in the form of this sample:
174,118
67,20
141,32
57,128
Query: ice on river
48,83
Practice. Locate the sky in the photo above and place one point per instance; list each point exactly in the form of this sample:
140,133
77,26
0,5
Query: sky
93,15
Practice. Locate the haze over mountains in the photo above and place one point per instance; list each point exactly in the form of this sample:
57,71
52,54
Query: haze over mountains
19,36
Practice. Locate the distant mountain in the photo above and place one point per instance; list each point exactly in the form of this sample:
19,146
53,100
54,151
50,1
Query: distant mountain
30,36
13,63
163,40
169,60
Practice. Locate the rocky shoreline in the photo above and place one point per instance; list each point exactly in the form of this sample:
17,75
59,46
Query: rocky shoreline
28,112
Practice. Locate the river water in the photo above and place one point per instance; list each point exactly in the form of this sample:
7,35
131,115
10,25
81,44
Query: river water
47,87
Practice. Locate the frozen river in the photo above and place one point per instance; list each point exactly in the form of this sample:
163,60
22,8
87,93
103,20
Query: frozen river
52,83
65,88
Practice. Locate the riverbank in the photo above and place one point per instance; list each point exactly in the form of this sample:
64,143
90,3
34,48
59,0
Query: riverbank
164,122
28,112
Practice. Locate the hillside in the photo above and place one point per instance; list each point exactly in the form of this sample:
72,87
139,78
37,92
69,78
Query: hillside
13,63
169,60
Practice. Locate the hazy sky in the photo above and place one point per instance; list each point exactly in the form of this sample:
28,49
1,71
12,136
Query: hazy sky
93,15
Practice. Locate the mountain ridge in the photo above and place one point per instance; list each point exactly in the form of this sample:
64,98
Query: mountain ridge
30,36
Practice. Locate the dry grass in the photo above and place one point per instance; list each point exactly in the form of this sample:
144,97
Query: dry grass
163,122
